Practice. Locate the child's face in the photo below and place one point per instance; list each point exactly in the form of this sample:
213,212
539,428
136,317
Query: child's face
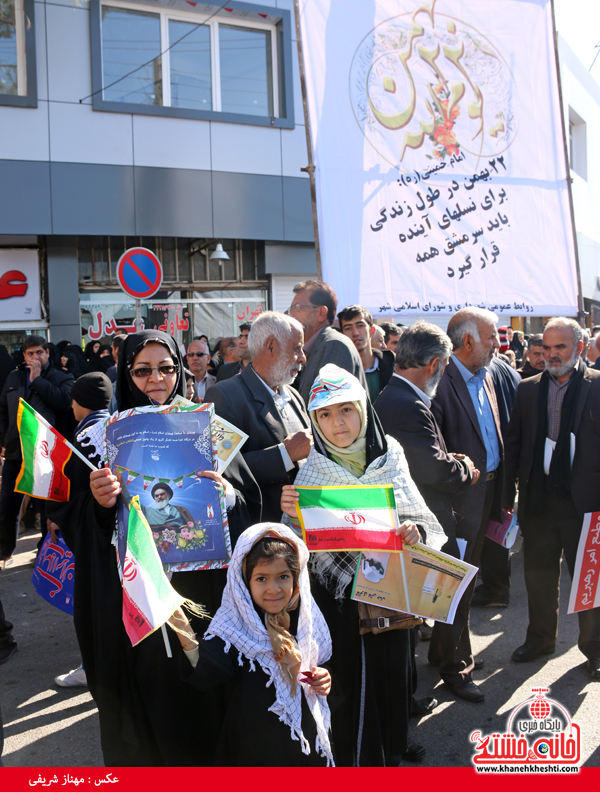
340,423
272,585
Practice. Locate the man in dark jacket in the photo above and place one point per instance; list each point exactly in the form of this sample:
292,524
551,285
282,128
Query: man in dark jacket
48,391
357,324
535,357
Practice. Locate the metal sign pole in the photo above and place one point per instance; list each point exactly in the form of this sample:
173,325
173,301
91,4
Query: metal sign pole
138,315
310,168
581,314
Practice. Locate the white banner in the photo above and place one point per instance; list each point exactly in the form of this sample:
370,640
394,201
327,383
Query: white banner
439,155
19,285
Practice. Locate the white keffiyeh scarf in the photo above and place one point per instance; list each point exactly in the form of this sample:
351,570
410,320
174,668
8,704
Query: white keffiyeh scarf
237,623
336,570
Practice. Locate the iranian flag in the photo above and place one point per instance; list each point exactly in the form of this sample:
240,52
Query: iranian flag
148,597
349,518
45,454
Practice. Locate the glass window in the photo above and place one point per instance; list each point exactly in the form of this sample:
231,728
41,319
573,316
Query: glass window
13,75
131,62
246,72
190,65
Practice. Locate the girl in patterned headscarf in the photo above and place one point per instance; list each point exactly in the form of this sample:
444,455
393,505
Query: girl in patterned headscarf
266,631
375,671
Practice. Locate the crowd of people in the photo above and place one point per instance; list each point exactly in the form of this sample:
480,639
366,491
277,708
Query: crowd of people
290,671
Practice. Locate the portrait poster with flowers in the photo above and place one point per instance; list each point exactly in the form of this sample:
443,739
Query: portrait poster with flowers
158,454
438,145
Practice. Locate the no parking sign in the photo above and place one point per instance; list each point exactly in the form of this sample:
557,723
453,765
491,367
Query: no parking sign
139,273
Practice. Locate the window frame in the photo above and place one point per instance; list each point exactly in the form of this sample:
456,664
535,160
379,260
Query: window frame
281,57
28,63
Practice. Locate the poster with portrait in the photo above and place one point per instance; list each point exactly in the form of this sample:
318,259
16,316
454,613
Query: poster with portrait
159,455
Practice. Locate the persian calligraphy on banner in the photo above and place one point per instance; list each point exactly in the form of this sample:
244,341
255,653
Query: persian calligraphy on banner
54,574
440,169
585,588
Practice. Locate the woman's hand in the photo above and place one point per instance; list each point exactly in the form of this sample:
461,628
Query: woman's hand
230,495
105,487
289,499
409,532
321,681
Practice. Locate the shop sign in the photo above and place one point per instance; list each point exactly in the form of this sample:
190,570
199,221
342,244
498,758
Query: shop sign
19,285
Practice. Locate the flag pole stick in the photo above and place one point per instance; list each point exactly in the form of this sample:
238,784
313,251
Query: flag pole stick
43,421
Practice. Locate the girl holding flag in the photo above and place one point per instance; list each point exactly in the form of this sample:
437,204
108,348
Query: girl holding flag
148,716
375,671
265,637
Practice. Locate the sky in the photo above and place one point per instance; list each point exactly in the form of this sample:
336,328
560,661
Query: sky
578,22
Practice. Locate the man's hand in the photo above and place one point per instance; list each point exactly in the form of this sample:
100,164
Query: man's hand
471,465
35,368
298,444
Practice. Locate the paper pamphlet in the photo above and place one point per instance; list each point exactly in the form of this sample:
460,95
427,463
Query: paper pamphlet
418,580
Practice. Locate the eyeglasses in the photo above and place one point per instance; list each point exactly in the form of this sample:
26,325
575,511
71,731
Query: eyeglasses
143,372
198,354
296,306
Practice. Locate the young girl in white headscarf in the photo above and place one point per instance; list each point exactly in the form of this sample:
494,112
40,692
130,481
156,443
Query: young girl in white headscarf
374,671
266,644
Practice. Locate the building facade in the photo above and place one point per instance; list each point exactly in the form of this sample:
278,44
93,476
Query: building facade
166,124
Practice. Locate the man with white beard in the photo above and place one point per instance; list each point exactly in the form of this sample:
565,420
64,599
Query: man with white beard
553,451
260,402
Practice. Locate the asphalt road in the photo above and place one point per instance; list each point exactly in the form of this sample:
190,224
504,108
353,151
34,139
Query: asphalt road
48,726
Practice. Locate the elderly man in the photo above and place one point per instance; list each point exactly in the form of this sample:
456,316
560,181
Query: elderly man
404,408
231,369
553,451
378,338
314,306
261,403
198,357
357,324
466,411
594,351
535,357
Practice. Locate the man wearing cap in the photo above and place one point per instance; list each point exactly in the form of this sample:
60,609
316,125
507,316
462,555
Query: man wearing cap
91,394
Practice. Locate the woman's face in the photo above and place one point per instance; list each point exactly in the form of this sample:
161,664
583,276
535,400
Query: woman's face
158,386
64,360
340,423
96,347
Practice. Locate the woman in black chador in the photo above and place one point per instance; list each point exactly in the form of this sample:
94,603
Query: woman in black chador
148,716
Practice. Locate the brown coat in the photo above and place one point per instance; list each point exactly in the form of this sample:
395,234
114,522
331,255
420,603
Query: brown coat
520,442
455,414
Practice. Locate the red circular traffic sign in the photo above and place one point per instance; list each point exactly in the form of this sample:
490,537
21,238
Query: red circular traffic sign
139,273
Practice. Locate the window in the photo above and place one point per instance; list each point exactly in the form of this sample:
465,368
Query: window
577,144
186,262
17,53
229,64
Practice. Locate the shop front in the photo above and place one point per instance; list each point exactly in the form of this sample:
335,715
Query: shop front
22,309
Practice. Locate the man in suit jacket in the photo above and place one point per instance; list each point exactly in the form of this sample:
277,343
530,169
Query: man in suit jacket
466,411
198,357
404,409
357,324
261,403
558,484
314,306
